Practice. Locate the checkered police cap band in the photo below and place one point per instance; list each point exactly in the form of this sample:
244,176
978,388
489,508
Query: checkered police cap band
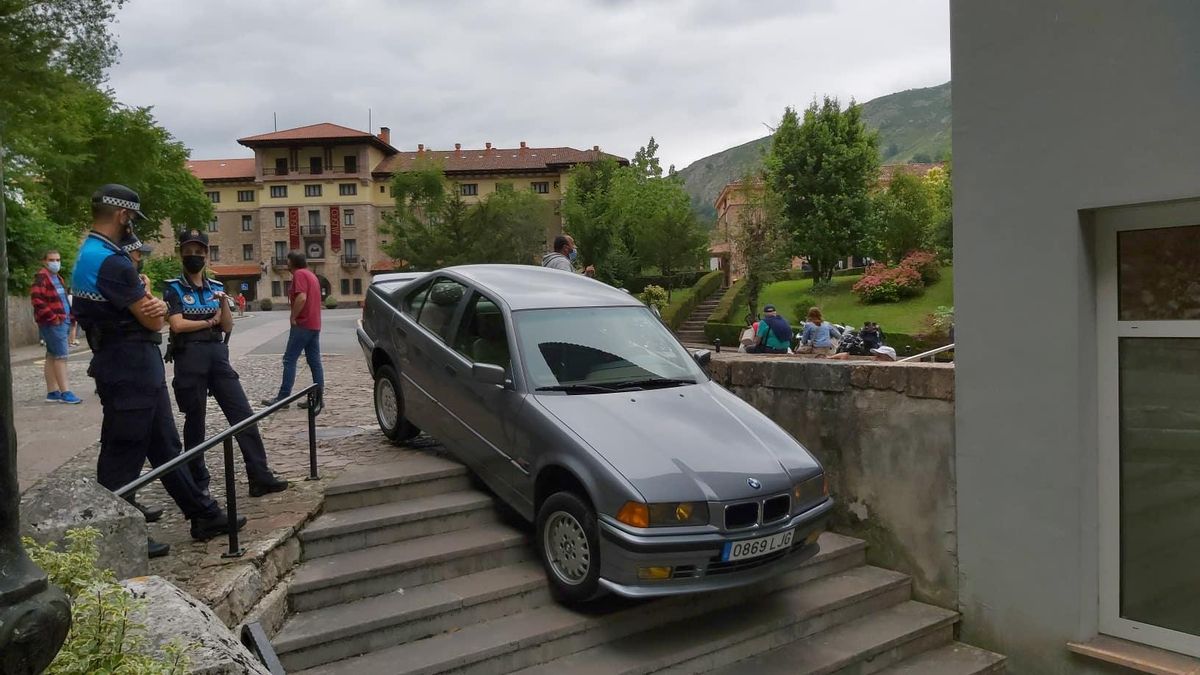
121,203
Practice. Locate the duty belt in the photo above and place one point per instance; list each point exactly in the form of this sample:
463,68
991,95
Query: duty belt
101,336
214,335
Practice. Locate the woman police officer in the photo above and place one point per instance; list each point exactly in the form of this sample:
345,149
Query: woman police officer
199,316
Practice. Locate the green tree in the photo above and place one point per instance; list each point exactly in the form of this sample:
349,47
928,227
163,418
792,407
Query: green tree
903,217
509,227
161,268
589,218
941,189
665,228
645,163
821,172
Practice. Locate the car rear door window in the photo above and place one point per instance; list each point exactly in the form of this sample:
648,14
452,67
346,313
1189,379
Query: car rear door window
482,337
439,305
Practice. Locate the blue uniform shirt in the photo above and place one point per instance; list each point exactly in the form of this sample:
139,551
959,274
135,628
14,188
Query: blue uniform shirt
105,283
198,303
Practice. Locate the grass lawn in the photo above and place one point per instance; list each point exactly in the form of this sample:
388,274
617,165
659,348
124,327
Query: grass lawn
793,298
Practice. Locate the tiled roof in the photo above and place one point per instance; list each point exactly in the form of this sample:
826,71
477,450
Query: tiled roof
324,131
493,159
236,270
222,169
383,265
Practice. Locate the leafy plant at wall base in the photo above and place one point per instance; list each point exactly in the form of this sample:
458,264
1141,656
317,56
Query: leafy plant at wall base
654,296
331,302
104,636
265,304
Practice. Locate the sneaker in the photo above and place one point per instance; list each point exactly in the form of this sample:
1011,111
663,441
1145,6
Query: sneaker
204,529
54,397
260,488
68,397
156,549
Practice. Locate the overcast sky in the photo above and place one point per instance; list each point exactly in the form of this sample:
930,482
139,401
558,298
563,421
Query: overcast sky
699,75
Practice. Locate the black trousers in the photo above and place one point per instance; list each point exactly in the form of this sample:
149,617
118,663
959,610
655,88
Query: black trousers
139,424
203,367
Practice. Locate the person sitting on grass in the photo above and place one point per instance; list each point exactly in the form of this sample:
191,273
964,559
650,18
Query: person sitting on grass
774,334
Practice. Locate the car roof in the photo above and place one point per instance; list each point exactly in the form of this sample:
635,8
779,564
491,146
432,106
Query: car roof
530,287
396,276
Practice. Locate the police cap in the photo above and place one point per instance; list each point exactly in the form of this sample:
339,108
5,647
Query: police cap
193,234
119,196
131,243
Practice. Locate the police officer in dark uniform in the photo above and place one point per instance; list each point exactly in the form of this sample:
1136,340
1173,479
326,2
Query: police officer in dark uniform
123,323
199,315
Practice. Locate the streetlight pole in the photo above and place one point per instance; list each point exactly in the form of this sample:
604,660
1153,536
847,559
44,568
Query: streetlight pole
34,615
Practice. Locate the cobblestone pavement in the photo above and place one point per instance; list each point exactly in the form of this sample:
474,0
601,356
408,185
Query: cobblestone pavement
347,435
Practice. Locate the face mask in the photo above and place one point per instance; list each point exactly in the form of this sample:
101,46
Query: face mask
193,263
573,255
54,266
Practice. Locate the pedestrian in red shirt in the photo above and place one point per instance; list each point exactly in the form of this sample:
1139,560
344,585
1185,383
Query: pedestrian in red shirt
241,303
305,296
52,312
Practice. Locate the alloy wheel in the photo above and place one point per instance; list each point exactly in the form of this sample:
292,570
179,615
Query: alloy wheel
566,547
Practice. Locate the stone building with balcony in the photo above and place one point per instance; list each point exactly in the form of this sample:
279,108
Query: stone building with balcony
324,189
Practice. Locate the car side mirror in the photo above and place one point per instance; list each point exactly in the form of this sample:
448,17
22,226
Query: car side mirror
702,356
489,373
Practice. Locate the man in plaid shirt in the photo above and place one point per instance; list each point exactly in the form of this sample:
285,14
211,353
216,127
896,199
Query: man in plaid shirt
52,312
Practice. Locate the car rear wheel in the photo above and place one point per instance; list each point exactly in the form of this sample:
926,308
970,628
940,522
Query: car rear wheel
569,547
389,406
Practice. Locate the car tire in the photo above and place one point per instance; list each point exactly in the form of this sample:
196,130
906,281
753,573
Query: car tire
569,547
389,406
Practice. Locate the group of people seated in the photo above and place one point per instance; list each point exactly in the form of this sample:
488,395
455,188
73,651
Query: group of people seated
772,334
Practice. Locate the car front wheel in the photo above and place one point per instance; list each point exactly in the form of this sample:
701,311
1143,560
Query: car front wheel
569,547
389,406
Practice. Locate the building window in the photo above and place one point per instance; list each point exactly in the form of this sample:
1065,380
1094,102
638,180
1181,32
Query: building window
504,187
247,251
247,223
281,167
351,246
314,165
276,287
468,189
345,287
314,219
214,253
312,190
280,219
278,191
280,250
348,189
541,187
245,195
358,286
348,217
212,224
351,162
214,197
381,188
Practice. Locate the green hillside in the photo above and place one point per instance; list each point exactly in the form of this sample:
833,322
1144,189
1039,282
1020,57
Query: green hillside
913,125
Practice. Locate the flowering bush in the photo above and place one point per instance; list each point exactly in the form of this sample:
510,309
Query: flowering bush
888,284
654,296
925,263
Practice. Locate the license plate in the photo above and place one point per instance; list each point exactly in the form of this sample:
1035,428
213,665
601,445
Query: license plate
753,548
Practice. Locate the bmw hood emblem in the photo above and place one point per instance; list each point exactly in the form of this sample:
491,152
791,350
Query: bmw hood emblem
753,482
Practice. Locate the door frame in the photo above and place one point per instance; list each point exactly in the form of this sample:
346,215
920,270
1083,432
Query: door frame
1110,329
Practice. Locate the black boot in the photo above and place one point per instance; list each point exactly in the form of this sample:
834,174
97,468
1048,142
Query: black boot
259,488
150,513
204,529
271,401
156,549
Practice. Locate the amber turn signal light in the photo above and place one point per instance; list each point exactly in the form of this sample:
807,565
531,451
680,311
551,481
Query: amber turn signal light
634,514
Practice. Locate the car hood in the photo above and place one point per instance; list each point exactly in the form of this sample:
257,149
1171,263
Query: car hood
690,443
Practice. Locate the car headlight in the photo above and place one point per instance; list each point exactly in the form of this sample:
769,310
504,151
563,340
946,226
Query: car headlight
808,492
667,514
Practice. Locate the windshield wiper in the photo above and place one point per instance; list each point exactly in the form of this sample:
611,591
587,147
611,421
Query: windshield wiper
652,382
578,388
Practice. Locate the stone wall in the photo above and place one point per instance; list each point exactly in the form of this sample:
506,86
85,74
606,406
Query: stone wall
22,330
885,433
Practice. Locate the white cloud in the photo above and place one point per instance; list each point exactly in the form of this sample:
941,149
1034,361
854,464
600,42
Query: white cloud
699,75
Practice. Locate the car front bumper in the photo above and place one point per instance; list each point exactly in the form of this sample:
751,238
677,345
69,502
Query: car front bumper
695,558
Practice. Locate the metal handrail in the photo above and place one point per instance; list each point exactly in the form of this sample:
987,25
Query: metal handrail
312,391
931,352
255,639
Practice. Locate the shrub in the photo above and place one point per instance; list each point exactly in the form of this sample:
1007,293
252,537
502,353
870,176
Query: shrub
730,334
654,296
265,304
938,323
888,284
104,637
925,263
331,302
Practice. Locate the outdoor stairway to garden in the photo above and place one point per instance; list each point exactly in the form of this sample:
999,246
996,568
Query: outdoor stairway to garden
691,331
412,570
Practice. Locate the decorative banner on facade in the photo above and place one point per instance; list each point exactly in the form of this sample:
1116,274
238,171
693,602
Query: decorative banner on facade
335,229
294,228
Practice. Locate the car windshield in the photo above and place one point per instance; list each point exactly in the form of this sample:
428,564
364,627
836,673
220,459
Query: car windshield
598,349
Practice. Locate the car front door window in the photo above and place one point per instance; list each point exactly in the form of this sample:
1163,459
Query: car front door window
481,337
440,304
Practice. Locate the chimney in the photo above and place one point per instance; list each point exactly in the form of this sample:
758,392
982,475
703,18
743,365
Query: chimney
595,148
385,135
458,149
488,145
523,148
420,147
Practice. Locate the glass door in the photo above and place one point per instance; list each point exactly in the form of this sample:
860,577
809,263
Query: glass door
1148,302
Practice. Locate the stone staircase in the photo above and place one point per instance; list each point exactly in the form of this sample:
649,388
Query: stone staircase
691,331
412,570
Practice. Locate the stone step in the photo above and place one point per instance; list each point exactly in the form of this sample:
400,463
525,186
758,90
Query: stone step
692,326
553,631
325,635
419,476
345,577
955,658
353,529
877,640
